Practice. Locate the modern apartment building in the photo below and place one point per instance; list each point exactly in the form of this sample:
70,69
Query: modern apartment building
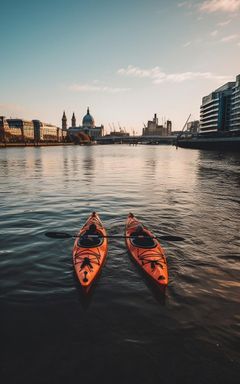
220,111
234,123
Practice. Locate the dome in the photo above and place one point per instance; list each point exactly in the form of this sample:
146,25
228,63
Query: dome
88,120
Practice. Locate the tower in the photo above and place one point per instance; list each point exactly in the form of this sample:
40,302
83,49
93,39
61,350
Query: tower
73,121
64,121
155,120
169,127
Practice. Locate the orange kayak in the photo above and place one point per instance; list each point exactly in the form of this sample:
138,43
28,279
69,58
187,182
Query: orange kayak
88,258
147,252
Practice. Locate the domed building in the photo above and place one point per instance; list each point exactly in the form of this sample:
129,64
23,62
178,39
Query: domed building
88,120
88,127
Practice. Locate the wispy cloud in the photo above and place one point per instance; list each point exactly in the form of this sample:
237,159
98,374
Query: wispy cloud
214,33
211,6
187,4
187,44
95,88
158,76
224,23
228,39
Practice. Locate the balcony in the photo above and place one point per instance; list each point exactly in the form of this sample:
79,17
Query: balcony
235,111
208,116
215,129
210,105
208,120
208,126
216,99
210,111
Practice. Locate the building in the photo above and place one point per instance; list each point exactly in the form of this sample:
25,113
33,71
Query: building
120,133
29,131
154,129
220,110
88,127
44,132
234,123
25,126
193,126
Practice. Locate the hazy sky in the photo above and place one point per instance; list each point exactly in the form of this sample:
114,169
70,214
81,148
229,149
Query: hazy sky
125,59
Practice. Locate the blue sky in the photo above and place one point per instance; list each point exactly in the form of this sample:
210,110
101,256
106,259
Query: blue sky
125,60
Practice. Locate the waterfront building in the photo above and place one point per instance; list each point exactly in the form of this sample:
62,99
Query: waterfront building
193,126
154,129
220,110
29,131
234,123
88,128
120,133
48,132
4,127
24,128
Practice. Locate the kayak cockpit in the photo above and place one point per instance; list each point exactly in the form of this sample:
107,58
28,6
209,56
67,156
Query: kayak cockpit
143,241
90,241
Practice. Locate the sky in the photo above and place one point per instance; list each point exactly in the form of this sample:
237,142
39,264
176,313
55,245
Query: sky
125,59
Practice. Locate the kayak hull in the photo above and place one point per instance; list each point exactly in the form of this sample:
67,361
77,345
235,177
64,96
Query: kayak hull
151,260
88,261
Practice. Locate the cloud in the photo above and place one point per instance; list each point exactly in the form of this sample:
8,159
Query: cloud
187,44
228,39
95,88
157,76
214,33
224,23
187,4
211,6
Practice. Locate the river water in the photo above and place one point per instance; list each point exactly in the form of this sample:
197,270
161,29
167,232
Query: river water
126,331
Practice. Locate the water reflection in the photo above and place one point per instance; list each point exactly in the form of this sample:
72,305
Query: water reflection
88,164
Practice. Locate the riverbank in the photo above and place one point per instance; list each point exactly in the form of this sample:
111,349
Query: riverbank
7,145
228,142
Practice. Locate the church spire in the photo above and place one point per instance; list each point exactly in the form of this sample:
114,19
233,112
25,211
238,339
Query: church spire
64,121
73,121
88,110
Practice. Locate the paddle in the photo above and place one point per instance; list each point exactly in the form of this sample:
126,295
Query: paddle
65,235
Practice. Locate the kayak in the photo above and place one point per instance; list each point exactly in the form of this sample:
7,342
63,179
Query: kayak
147,251
88,258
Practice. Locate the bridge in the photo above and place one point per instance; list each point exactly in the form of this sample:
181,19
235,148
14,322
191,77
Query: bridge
170,140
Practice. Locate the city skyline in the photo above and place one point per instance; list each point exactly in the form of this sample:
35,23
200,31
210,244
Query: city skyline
126,61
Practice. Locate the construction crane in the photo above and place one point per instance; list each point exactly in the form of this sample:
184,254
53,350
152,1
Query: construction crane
180,134
186,122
